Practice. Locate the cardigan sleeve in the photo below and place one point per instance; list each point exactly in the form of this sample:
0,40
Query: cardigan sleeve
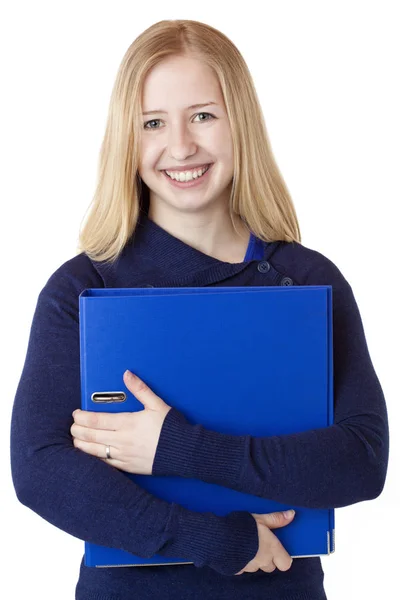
67,487
323,468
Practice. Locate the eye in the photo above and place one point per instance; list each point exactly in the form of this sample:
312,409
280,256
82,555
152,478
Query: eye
205,113
145,126
152,121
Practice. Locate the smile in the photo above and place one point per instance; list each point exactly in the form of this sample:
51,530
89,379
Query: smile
189,178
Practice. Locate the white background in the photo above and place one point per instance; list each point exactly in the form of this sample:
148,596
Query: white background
328,81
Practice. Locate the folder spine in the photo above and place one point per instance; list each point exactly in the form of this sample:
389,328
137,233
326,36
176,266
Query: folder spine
83,346
330,355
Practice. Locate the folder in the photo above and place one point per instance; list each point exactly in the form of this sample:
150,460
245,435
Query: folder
238,360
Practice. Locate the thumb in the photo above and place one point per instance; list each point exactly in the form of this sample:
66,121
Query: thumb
141,391
276,519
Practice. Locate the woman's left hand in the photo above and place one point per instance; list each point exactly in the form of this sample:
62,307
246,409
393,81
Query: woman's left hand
132,436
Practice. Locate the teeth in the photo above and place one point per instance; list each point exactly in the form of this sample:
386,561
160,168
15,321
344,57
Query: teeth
186,175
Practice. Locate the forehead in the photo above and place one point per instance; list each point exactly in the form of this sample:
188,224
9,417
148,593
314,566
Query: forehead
180,82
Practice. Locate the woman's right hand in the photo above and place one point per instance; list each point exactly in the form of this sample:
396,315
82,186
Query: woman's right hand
271,554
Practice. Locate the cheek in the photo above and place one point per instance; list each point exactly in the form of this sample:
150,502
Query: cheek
149,160
145,152
220,144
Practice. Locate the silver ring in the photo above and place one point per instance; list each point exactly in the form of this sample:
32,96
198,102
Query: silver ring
108,455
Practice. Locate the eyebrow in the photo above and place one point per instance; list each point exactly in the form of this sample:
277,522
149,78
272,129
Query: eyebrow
158,110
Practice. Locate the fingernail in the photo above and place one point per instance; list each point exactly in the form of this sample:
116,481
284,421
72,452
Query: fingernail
129,374
288,513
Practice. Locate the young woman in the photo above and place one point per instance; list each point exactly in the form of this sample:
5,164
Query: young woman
189,194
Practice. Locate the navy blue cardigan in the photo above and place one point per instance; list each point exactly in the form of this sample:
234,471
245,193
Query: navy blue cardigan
327,468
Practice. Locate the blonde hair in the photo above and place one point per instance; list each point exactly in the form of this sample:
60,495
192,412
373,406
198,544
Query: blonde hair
259,195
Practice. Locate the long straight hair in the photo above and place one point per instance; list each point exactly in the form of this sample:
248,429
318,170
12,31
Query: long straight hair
259,195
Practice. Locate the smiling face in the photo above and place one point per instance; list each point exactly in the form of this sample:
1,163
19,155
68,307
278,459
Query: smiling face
177,135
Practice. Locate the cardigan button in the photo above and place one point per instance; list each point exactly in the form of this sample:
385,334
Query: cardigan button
263,266
286,281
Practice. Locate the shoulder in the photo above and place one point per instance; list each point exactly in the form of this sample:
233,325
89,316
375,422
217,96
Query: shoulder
71,278
307,266
78,270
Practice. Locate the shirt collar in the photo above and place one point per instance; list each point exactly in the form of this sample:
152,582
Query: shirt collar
152,248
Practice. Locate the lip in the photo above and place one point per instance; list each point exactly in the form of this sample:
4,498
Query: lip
187,168
188,184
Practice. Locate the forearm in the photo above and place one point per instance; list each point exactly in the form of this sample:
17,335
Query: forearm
322,468
83,495
95,502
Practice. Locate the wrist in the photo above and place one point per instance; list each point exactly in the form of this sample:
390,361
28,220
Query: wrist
192,451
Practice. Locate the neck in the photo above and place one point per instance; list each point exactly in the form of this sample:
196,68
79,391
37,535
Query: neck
212,234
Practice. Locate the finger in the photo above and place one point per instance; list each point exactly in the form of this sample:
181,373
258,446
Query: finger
98,450
269,568
140,389
95,436
113,462
251,569
282,559
98,420
274,520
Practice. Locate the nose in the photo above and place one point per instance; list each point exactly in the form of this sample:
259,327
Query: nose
181,143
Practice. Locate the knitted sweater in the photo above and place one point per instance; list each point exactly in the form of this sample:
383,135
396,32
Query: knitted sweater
327,468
